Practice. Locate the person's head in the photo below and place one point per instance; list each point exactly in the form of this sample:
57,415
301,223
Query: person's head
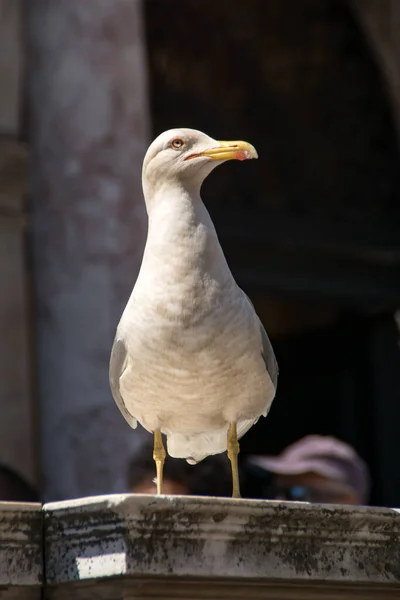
210,477
14,488
316,469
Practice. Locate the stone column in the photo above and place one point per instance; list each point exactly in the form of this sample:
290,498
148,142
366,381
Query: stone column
17,428
381,24
89,129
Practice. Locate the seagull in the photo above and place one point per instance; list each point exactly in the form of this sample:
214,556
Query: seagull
190,359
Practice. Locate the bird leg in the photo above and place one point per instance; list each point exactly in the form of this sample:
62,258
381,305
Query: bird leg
233,451
159,458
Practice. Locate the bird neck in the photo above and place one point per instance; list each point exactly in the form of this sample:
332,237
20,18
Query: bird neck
175,210
182,235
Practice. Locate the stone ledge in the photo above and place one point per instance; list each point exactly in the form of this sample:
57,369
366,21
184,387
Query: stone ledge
171,588
20,544
146,536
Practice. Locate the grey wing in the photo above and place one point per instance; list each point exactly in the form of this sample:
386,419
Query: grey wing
267,351
269,356
118,364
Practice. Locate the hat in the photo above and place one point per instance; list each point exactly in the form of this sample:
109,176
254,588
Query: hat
322,455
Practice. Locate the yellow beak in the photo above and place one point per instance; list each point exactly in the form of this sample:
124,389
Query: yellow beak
229,151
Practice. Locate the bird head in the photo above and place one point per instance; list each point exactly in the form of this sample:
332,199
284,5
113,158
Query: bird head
186,156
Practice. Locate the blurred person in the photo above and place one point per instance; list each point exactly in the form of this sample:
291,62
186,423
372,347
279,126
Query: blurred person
13,488
314,469
210,477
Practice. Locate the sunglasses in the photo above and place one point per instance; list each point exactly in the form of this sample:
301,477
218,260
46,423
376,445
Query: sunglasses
303,493
262,485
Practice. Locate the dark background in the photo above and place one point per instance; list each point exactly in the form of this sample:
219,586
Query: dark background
311,230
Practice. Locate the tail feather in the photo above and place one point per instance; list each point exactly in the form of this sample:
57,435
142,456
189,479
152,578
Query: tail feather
194,448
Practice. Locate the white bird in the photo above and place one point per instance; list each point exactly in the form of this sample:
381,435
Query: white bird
190,358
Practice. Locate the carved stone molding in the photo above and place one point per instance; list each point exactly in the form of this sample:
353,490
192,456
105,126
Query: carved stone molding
173,547
143,536
21,569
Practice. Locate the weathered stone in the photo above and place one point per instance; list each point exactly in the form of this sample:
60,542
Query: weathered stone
13,176
211,589
21,568
146,536
17,426
11,65
134,546
89,132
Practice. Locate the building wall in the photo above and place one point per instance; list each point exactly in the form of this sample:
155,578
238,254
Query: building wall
17,423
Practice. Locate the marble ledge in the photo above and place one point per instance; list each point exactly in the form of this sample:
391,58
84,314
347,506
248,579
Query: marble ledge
136,536
21,556
147,544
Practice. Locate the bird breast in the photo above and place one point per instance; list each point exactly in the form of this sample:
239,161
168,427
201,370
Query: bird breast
193,339
193,363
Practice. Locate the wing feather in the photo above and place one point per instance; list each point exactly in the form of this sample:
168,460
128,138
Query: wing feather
267,351
118,364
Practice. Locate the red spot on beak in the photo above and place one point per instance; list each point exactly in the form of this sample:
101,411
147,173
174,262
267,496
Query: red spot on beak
241,155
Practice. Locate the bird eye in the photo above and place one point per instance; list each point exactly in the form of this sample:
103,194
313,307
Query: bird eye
176,144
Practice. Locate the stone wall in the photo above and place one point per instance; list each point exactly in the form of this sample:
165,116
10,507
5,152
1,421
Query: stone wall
133,546
17,425
21,555
88,132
